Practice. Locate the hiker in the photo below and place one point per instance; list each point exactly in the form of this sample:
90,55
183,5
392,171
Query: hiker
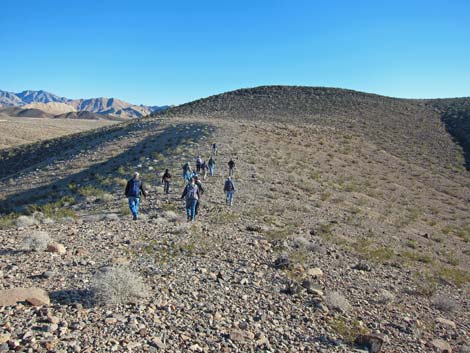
166,179
191,195
231,167
201,192
198,164
187,172
229,188
211,165
214,149
204,168
134,188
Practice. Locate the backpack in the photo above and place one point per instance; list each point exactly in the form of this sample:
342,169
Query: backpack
192,192
134,188
229,186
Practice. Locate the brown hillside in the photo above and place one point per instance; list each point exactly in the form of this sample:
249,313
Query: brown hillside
412,129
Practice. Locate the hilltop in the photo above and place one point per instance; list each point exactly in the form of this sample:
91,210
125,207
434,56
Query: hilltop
342,228
408,128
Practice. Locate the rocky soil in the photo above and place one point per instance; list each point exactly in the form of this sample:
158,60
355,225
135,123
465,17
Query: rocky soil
331,240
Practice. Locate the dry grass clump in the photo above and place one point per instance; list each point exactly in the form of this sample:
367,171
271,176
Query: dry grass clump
444,303
118,285
36,241
25,221
336,301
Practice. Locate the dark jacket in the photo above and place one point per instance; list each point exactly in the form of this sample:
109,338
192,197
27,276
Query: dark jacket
166,177
186,189
231,164
229,185
142,189
211,162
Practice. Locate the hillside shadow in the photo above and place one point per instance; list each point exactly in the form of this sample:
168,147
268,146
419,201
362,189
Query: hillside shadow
457,124
175,135
23,158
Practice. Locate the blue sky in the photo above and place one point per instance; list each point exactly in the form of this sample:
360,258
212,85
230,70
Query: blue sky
171,52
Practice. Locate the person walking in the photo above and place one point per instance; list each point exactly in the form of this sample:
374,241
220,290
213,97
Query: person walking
187,172
229,188
201,192
204,169
211,165
135,187
166,180
231,167
191,196
214,149
198,164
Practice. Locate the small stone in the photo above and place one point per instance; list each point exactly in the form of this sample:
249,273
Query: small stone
157,342
4,338
53,319
314,272
241,336
56,248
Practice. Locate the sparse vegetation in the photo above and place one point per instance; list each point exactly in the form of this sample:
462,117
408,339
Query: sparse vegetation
36,241
118,285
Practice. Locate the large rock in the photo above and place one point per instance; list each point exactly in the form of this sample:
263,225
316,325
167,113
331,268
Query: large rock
241,336
56,248
372,342
35,296
441,346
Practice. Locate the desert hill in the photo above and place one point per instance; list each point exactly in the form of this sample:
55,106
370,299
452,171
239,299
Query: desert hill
51,103
336,235
409,128
54,108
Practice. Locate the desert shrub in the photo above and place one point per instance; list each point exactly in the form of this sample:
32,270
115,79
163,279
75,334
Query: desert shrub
336,301
444,303
170,215
36,241
25,221
8,220
57,209
90,191
346,329
118,285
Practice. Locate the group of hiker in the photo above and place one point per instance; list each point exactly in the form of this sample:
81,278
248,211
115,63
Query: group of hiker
193,189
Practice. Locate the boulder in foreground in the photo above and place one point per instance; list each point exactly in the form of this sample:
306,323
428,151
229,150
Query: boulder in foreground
35,296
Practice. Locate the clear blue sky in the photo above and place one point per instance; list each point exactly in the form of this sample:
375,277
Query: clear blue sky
170,52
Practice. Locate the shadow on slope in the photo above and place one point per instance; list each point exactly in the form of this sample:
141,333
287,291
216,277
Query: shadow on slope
158,142
19,159
455,114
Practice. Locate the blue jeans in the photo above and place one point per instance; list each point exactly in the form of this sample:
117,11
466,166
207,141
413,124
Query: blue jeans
166,187
191,209
211,170
134,205
229,198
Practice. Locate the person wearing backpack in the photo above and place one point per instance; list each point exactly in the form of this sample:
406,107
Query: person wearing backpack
231,167
229,188
191,196
214,149
201,192
135,187
211,165
166,179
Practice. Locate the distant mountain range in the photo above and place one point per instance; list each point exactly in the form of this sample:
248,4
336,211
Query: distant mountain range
54,105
